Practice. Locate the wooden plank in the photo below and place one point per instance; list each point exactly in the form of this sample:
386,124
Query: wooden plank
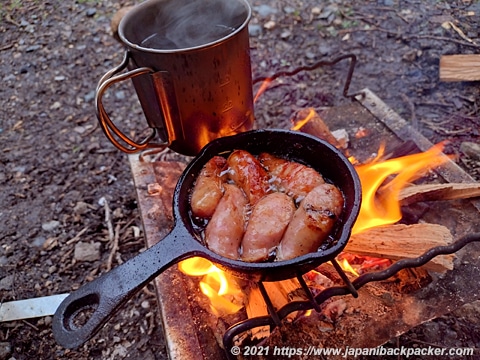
460,68
401,241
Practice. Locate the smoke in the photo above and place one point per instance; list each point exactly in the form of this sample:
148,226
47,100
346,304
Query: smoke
189,23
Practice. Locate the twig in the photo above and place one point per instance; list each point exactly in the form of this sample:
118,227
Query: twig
65,256
91,131
114,247
9,19
77,237
6,47
410,37
384,8
441,38
31,325
108,220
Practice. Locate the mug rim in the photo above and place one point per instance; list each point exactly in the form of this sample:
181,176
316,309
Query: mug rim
148,3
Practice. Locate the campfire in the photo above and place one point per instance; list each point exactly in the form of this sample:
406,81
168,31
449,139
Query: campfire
397,287
378,238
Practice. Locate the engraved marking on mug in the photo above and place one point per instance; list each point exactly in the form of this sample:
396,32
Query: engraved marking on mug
226,80
227,105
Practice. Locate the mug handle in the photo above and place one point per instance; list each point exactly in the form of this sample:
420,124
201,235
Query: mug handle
108,127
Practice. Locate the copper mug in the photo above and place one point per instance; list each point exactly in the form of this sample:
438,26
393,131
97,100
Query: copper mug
189,62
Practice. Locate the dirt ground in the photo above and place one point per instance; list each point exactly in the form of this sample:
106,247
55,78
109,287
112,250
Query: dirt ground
60,177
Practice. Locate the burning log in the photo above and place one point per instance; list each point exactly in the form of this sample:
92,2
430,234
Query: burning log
429,192
308,121
280,293
400,241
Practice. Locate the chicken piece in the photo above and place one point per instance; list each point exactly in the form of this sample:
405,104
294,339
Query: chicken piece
247,172
208,188
291,177
267,223
224,231
312,222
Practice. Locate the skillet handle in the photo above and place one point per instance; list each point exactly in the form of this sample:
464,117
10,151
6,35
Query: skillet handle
102,297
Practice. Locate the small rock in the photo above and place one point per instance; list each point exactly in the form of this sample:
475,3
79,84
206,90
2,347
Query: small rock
286,34
56,105
6,283
410,56
254,30
269,25
324,49
59,78
118,213
342,137
471,149
264,11
90,96
50,225
91,12
32,48
120,95
39,241
80,208
47,320
289,9
145,305
79,129
87,251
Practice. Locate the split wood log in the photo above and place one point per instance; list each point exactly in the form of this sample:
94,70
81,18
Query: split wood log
431,192
279,292
308,121
460,68
401,241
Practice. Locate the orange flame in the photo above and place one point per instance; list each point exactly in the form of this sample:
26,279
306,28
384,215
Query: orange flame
299,124
380,195
215,284
262,89
345,265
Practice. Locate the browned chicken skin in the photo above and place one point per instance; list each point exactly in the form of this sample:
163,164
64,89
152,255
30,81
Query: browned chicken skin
312,222
266,225
247,172
208,188
225,229
291,177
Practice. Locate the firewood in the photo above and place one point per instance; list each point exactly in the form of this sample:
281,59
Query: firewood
255,306
308,121
403,241
429,192
460,67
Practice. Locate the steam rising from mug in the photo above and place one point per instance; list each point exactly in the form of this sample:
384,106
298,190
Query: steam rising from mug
186,23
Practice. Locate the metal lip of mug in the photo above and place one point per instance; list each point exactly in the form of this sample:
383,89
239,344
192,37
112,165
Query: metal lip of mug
189,62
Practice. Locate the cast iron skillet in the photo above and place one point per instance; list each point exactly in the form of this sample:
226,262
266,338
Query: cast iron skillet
106,294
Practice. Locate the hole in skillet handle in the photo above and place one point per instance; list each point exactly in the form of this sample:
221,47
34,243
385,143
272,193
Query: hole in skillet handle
75,325
294,146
